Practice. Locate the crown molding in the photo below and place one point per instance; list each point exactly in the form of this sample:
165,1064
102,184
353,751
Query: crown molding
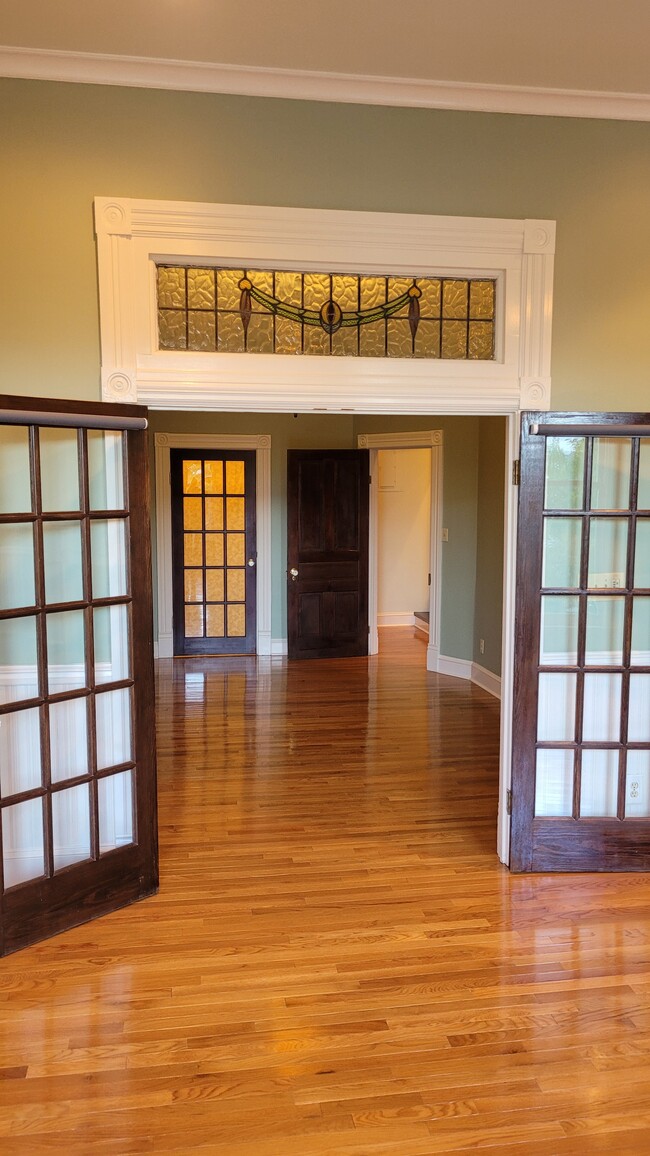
290,84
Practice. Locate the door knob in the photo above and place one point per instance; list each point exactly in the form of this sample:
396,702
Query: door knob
294,573
251,561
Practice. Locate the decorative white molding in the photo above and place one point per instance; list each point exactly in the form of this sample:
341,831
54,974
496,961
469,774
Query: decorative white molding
295,84
261,443
132,236
416,439
486,679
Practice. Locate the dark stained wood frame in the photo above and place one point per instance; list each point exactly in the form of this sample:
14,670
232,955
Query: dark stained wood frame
332,576
560,844
42,907
239,645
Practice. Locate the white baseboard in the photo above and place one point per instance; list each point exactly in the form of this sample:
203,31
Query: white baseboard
400,618
486,679
456,667
279,646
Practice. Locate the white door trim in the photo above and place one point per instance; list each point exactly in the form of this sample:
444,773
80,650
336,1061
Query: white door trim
418,439
261,443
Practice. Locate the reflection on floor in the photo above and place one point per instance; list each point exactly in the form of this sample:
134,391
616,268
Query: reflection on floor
336,964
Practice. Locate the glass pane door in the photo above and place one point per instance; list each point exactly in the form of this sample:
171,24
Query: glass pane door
581,793
73,774
214,557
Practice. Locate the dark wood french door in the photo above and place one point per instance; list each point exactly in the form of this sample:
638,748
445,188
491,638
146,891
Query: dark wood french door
581,737
327,571
78,834
214,558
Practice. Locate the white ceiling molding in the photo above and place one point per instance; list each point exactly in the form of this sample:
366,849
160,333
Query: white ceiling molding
293,84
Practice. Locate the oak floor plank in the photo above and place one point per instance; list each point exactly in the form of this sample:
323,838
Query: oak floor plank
336,963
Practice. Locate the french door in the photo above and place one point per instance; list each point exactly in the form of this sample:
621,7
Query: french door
78,833
213,551
581,736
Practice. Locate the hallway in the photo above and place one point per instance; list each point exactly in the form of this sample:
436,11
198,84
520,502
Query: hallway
336,964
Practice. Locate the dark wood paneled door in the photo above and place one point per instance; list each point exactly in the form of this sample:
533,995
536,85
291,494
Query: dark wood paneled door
581,739
214,558
327,571
78,834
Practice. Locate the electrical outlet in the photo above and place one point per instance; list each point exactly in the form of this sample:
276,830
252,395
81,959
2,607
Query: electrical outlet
445,534
481,645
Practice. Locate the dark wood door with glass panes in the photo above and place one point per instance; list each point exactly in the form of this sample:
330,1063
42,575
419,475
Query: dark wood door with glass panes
581,739
213,551
77,739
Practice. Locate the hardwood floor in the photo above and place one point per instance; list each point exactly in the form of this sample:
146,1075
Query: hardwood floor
336,964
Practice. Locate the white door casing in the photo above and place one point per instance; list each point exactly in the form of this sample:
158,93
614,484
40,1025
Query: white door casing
134,235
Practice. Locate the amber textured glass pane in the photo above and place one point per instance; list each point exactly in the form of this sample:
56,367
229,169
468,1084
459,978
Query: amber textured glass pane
230,333
194,586
262,279
214,627
316,290
288,288
454,337
228,291
191,477
193,549
214,513
260,333
288,336
345,291
481,299
480,340
214,586
454,299
200,288
201,332
236,550
235,514
192,514
400,342
236,621
194,622
171,329
431,299
397,286
372,339
236,585
235,482
344,341
213,477
171,288
316,341
427,339
214,551
373,292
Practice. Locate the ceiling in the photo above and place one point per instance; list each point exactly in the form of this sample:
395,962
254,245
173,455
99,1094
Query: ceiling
569,57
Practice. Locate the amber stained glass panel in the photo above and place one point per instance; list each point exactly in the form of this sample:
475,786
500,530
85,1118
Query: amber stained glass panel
325,314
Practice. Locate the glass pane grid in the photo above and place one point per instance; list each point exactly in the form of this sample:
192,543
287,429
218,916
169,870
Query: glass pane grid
70,546
593,729
322,314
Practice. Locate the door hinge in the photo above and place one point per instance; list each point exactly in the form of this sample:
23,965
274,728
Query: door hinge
509,802
515,472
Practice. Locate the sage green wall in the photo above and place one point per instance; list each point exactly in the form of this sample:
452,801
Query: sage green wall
488,602
63,144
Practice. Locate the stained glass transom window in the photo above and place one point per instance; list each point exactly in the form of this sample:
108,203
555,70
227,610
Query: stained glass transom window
323,314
